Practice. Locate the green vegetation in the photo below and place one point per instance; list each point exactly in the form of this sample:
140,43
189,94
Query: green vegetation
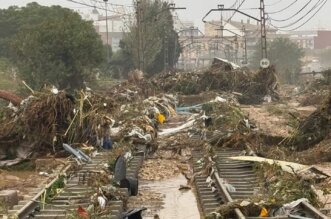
50,45
53,190
7,78
285,55
159,36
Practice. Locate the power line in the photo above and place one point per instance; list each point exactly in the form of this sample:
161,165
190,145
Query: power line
298,20
281,10
112,4
240,4
307,19
180,21
97,7
286,19
276,3
234,4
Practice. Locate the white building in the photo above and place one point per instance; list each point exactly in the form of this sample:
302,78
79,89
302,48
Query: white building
117,26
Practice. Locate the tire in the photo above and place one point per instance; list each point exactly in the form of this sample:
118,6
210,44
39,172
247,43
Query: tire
124,183
131,184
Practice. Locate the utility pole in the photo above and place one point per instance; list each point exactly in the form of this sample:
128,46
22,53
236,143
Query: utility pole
263,31
236,49
245,45
172,6
175,50
107,34
139,48
262,21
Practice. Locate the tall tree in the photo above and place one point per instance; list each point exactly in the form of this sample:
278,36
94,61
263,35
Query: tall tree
159,42
60,49
285,55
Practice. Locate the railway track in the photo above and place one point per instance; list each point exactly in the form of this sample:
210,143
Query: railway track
233,180
77,192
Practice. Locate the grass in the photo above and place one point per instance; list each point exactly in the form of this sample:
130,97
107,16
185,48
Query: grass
53,190
7,83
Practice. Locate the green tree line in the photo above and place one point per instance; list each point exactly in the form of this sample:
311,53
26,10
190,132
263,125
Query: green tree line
50,45
54,45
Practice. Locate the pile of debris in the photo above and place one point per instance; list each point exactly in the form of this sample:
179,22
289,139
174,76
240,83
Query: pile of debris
251,87
315,91
314,129
280,187
135,89
45,120
221,122
41,123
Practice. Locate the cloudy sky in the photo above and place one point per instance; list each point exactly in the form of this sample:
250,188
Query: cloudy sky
196,9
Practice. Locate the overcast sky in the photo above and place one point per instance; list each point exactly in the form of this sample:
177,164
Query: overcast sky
196,9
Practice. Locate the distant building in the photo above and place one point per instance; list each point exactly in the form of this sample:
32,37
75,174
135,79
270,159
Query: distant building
116,30
304,39
116,27
309,39
236,36
322,40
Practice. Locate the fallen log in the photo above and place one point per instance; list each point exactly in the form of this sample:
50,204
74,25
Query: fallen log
10,97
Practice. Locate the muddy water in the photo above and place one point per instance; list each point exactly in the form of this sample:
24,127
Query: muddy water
166,200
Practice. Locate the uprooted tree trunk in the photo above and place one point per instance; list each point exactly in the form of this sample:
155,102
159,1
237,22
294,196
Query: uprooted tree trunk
13,98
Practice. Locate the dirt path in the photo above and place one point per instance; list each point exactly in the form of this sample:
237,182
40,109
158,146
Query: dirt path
268,122
274,118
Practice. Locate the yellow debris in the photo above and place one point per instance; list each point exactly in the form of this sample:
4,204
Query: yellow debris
264,212
161,118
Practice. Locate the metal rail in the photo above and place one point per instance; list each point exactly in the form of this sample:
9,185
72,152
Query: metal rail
227,196
240,174
33,203
76,193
